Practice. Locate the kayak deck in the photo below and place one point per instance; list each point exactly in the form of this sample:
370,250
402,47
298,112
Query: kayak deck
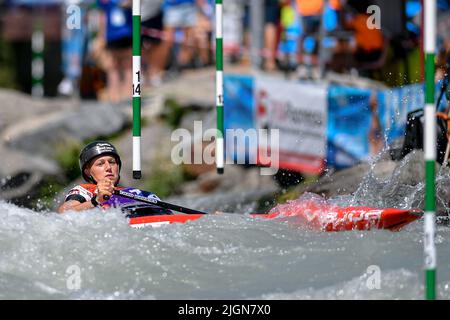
309,210
314,216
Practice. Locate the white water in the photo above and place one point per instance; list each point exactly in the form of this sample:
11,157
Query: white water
229,257
217,257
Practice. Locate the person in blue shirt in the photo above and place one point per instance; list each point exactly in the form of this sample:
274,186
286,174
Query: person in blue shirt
117,28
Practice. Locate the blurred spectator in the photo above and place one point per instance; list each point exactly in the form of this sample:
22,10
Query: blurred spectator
290,32
180,14
370,44
271,20
203,32
233,29
117,27
246,42
153,49
443,42
310,14
342,60
441,76
442,63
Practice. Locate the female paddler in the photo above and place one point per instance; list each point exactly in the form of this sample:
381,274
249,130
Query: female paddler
100,167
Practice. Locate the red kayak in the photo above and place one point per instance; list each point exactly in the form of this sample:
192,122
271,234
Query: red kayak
315,215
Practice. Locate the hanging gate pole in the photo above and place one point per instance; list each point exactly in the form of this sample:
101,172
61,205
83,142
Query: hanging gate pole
219,88
137,89
430,151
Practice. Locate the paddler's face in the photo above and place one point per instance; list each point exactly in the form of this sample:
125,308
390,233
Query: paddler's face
104,167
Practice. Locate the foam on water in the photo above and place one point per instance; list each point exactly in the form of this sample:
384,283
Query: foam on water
216,257
229,256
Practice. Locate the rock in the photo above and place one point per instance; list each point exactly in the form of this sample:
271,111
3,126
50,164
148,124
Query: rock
189,120
196,170
192,88
33,131
411,170
152,106
59,127
17,106
21,173
234,178
347,181
197,124
243,201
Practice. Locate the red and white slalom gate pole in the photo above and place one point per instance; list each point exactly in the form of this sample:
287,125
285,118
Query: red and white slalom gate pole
430,151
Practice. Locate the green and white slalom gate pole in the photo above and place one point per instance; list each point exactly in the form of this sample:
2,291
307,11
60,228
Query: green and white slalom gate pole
430,151
219,88
37,63
137,89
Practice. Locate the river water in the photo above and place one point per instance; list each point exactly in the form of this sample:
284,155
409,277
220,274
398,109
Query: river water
96,255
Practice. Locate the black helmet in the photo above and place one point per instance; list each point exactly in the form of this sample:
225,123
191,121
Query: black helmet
93,150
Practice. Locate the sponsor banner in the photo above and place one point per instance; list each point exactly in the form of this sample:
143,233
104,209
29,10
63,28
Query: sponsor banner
239,114
299,112
317,124
349,122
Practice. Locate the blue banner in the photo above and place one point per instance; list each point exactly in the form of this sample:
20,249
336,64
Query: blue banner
354,131
349,119
239,112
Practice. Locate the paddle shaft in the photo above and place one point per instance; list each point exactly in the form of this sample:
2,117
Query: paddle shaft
158,203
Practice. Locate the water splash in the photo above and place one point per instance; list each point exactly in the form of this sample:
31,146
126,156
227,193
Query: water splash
403,189
217,257
226,256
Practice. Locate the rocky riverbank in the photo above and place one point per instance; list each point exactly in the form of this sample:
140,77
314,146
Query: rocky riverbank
40,140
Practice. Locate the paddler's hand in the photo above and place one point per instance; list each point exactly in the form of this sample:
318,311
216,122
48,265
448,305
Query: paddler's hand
105,187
